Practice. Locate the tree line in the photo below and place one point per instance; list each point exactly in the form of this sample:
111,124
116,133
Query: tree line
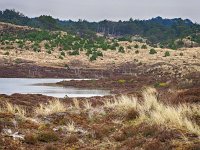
155,30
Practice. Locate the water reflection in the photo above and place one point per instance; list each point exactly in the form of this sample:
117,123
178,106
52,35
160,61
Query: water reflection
34,86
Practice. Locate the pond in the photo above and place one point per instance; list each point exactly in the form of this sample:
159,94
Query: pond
34,86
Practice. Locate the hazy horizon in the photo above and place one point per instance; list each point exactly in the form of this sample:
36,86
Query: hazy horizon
115,10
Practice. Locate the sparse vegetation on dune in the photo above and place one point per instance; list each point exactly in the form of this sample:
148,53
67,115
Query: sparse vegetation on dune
119,120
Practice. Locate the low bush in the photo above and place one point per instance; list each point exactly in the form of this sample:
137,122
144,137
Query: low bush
121,49
143,46
181,54
121,81
61,57
7,53
152,51
136,46
167,54
137,51
47,136
62,53
74,52
49,51
30,139
71,139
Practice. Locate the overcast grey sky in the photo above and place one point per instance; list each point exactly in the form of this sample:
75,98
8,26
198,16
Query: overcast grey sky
95,10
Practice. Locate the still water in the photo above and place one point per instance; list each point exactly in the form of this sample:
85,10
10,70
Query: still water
34,86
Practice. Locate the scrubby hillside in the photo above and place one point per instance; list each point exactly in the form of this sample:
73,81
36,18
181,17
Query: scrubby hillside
156,30
20,44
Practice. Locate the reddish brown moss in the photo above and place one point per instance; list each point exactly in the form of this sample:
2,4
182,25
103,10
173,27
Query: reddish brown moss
47,136
119,136
30,139
50,147
132,114
71,139
155,145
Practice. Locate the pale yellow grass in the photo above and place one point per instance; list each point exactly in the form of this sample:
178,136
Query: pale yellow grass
54,106
171,116
122,104
87,105
155,112
13,109
76,104
71,127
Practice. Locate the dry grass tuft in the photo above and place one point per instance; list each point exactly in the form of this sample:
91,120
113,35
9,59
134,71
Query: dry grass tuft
87,105
155,112
13,109
55,106
71,127
76,104
170,116
122,104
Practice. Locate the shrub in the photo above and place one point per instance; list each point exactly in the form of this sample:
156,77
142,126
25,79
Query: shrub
152,51
46,45
143,46
93,57
89,51
136,46
74,52
173,46
30,139
112,47
122,81
121,49
21,45
137,51
7,53
161,84
71,139
60,57
132,114
129,47
47,136
49,51
62,53
99,53
181,54
167,54
119,137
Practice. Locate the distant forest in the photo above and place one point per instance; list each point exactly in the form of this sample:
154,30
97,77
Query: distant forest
155,30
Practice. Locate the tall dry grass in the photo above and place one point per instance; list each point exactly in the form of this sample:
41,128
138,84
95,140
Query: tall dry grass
54,106
153,111
87,105
171,116
122,104
13,109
